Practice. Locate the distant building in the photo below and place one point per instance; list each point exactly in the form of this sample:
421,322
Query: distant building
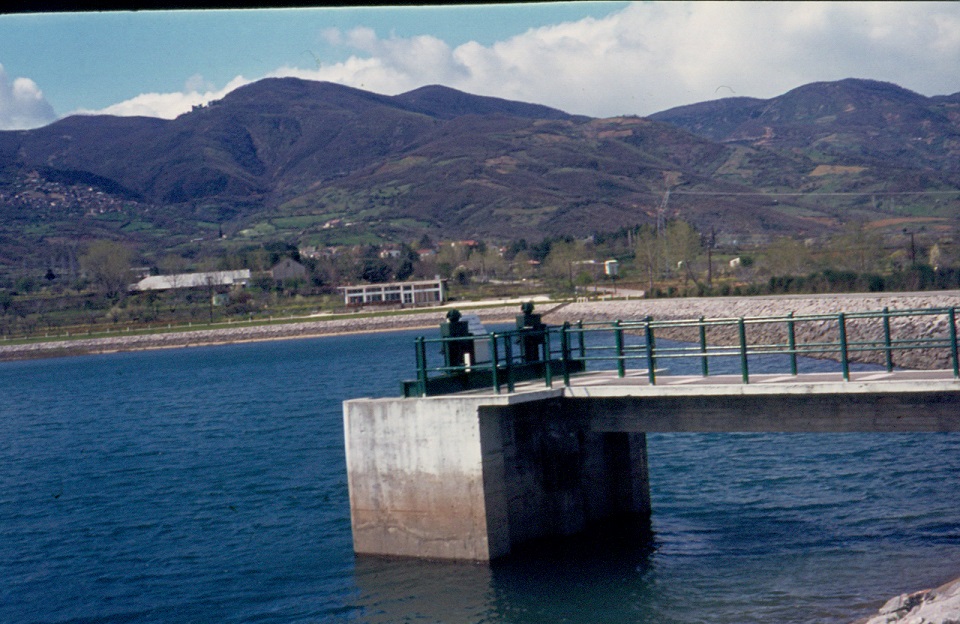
426,292
193,280
288,268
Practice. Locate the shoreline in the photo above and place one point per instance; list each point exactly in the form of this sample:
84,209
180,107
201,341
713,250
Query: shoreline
319,328
553,313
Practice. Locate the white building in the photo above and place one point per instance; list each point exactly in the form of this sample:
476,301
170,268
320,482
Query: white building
193,280
403,293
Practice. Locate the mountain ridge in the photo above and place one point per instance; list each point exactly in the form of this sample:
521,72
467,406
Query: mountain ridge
285,158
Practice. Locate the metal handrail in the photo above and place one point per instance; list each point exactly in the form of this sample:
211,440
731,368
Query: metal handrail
566,348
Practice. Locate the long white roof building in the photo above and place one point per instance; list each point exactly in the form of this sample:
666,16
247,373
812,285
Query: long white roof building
193,280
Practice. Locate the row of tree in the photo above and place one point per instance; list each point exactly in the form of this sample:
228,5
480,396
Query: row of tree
658,258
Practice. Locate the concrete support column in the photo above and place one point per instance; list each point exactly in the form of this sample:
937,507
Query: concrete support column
469,478
420,483
627,473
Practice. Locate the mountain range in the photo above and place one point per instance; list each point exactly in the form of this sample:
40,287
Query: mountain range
314,163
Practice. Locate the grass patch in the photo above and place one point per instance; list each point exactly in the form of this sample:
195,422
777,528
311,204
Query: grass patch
298,222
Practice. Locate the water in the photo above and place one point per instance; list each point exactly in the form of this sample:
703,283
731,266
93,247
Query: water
208,485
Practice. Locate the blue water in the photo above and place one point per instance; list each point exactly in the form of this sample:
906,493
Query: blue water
208,485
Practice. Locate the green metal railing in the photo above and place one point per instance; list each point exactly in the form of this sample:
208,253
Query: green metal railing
631,345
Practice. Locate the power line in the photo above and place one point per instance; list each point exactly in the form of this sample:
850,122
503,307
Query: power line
825,194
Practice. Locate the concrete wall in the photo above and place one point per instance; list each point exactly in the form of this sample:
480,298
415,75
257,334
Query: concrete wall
459,478
416,476
562,477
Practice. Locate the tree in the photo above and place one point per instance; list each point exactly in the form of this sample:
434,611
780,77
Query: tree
683,246
107,264
855,249
649,254
450,257
564,260
174,267
486,263
787,256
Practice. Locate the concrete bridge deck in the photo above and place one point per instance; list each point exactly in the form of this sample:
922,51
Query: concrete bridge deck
636,383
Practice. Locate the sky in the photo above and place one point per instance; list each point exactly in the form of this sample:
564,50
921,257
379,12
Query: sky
601,59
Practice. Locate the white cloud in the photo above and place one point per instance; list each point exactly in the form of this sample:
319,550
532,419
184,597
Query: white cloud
22,104
167,105
652,56
647,57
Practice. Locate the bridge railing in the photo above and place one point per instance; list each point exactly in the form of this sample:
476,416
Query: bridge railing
631,346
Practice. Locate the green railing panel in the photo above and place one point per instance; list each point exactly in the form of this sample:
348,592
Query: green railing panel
634,341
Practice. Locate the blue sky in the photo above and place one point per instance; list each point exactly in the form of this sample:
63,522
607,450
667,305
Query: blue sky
594,58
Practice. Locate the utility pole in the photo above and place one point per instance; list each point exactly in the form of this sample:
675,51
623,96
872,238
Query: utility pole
710,243
913,248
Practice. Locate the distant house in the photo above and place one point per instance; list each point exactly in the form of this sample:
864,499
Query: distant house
193,280
403,293
288,268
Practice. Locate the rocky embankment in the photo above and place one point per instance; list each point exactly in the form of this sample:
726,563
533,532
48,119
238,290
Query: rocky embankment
240,333
594,311
931,606
821,331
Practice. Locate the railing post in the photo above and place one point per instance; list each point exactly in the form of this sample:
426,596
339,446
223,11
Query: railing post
651,360
494,362
508,361
565,352
704,365
744,370
582,340
421,349
844,362
792,343
953,341
618,337
887,343
547,372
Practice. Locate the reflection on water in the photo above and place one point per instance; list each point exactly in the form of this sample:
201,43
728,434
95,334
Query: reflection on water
567,579
574,579
403,590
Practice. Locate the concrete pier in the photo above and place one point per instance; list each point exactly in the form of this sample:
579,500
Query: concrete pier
471,476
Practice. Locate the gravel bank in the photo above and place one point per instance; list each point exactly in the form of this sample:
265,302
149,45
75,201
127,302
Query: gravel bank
691,308
723,307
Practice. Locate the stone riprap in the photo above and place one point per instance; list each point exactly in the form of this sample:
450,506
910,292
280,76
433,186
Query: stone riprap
931,606
934,326
661,309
